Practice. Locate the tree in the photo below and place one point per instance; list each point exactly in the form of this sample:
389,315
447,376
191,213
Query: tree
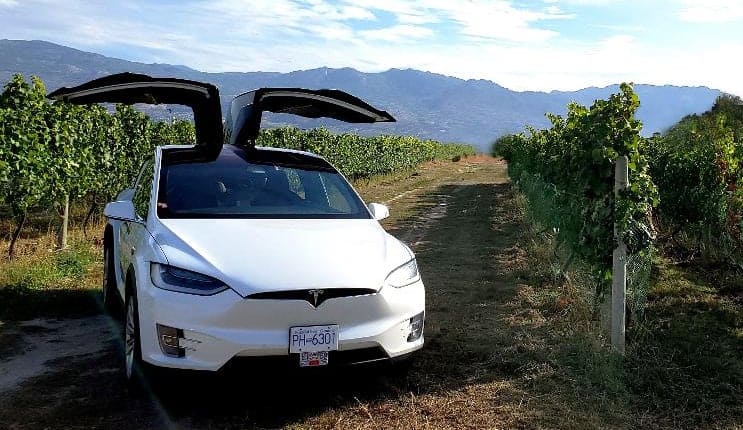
23,144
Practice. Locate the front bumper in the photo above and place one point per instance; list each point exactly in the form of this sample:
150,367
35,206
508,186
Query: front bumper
220,327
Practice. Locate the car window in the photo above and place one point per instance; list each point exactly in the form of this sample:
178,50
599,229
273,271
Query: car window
143,189
335,196
295,182
237,186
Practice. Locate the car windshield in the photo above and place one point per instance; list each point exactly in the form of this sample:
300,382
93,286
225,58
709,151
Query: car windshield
256,184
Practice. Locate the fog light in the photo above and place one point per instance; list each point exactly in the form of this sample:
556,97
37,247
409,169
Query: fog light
416,327
169,339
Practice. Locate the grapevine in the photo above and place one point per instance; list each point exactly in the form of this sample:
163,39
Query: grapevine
51,152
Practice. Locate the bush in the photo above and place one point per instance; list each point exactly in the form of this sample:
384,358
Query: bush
698,166
567,174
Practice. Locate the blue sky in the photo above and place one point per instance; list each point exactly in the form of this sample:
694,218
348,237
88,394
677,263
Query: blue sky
520,44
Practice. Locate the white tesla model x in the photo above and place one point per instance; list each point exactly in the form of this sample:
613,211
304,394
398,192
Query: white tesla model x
223,249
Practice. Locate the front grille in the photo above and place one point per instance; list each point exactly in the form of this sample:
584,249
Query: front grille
315,297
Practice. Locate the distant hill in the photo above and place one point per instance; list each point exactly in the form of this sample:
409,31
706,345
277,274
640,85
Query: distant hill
425,104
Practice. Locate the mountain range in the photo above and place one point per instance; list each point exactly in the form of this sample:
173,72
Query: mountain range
427,105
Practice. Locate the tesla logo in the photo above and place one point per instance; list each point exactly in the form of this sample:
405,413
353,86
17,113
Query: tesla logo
315,296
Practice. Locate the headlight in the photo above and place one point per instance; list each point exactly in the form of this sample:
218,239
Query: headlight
403,275
184,281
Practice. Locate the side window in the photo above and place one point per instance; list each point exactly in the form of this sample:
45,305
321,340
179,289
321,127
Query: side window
143,189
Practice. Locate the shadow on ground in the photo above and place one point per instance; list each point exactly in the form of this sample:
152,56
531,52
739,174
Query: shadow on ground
20,302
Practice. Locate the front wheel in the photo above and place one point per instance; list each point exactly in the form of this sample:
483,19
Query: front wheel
133,365
139,374
110,303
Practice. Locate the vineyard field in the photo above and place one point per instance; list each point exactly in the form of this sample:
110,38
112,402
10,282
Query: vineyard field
515,251
51,152
686,185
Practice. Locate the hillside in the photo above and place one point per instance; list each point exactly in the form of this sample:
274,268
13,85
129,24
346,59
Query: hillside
425,104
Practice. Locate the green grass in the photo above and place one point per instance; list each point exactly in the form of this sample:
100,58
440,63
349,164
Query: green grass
685,362
58,283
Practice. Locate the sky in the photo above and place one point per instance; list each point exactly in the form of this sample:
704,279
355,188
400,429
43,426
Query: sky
520,44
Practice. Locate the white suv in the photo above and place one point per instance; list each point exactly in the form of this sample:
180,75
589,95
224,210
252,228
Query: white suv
229,250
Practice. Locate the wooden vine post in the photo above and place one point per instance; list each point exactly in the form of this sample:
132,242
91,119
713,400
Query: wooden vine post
65,215
619,266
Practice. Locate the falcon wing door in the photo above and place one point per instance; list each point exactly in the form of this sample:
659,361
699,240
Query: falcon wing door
244,119
130,88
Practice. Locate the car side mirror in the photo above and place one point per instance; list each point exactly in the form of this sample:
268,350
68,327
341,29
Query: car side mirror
126,194
379,211
122,210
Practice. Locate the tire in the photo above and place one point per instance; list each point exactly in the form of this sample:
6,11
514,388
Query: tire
141,377
133,364
111,304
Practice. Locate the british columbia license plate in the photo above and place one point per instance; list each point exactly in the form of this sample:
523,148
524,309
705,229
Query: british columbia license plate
313,343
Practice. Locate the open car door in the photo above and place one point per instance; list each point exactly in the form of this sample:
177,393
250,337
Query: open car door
130,88
244,119
246,110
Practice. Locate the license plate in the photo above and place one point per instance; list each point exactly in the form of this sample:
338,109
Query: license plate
312,359
313,339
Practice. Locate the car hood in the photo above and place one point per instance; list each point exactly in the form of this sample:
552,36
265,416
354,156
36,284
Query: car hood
263,255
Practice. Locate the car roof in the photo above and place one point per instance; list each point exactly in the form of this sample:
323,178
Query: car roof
261,148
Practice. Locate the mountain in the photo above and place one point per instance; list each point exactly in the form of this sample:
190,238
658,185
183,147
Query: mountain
425,104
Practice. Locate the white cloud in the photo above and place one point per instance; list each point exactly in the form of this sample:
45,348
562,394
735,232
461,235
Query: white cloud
8,3
478,19
497,40
354,12
711,11
407,18
397,33
618,43
495,20
392,6
585,2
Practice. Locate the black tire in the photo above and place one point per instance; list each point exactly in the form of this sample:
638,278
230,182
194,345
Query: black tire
133,365
141,377
111,303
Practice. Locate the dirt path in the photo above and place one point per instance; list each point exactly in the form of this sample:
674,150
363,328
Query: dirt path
462,222
38,343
